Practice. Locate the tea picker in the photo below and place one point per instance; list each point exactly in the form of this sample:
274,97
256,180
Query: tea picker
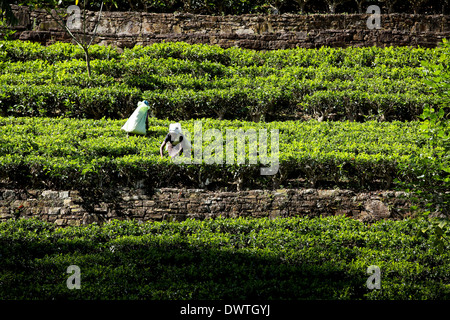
175,142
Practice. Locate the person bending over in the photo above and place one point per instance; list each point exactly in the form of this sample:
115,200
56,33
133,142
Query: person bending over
175,142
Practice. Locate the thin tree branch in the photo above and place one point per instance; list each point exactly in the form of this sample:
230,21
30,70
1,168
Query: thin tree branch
96,25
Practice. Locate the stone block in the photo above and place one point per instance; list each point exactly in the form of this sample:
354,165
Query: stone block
309,191
153,216
148,203
48,25
307,204
112,214
8,194
280,192
343,212
60,222
192,206
139,212
274,213
17,203
54,211
74,222
29,203
323,194
49,194
364,216
77,209
64,194
138,203
377,209
89,218
5,215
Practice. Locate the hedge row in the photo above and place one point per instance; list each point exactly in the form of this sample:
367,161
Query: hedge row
275,103
399,57
113,102
232,259
29,51
187,81
72,154
265,102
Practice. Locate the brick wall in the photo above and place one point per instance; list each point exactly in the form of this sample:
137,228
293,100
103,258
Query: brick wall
71,208
126,29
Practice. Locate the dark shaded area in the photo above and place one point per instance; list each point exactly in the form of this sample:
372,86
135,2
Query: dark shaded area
194,177
168,271
220,259
219,7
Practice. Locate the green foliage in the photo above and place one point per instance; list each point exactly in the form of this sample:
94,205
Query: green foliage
21,51
433,181
192,81
430,180
5,31
67,153
116,101
292,258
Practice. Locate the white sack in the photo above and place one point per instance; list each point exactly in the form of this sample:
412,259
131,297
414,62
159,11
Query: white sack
136,122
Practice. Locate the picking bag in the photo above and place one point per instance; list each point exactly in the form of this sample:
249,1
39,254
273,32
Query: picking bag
136,122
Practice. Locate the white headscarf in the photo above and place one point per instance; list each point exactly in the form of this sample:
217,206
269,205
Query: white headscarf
175,135
175,131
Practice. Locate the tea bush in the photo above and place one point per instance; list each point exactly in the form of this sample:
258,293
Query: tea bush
190,81
290,258
69,153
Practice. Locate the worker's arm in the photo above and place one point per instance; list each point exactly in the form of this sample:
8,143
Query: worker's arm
162,148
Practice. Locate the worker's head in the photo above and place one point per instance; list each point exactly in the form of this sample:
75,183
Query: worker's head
175,130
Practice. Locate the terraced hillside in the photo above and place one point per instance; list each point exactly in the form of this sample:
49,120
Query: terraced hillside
363,119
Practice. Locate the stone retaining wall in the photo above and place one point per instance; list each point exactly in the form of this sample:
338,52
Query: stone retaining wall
260,32
71,208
